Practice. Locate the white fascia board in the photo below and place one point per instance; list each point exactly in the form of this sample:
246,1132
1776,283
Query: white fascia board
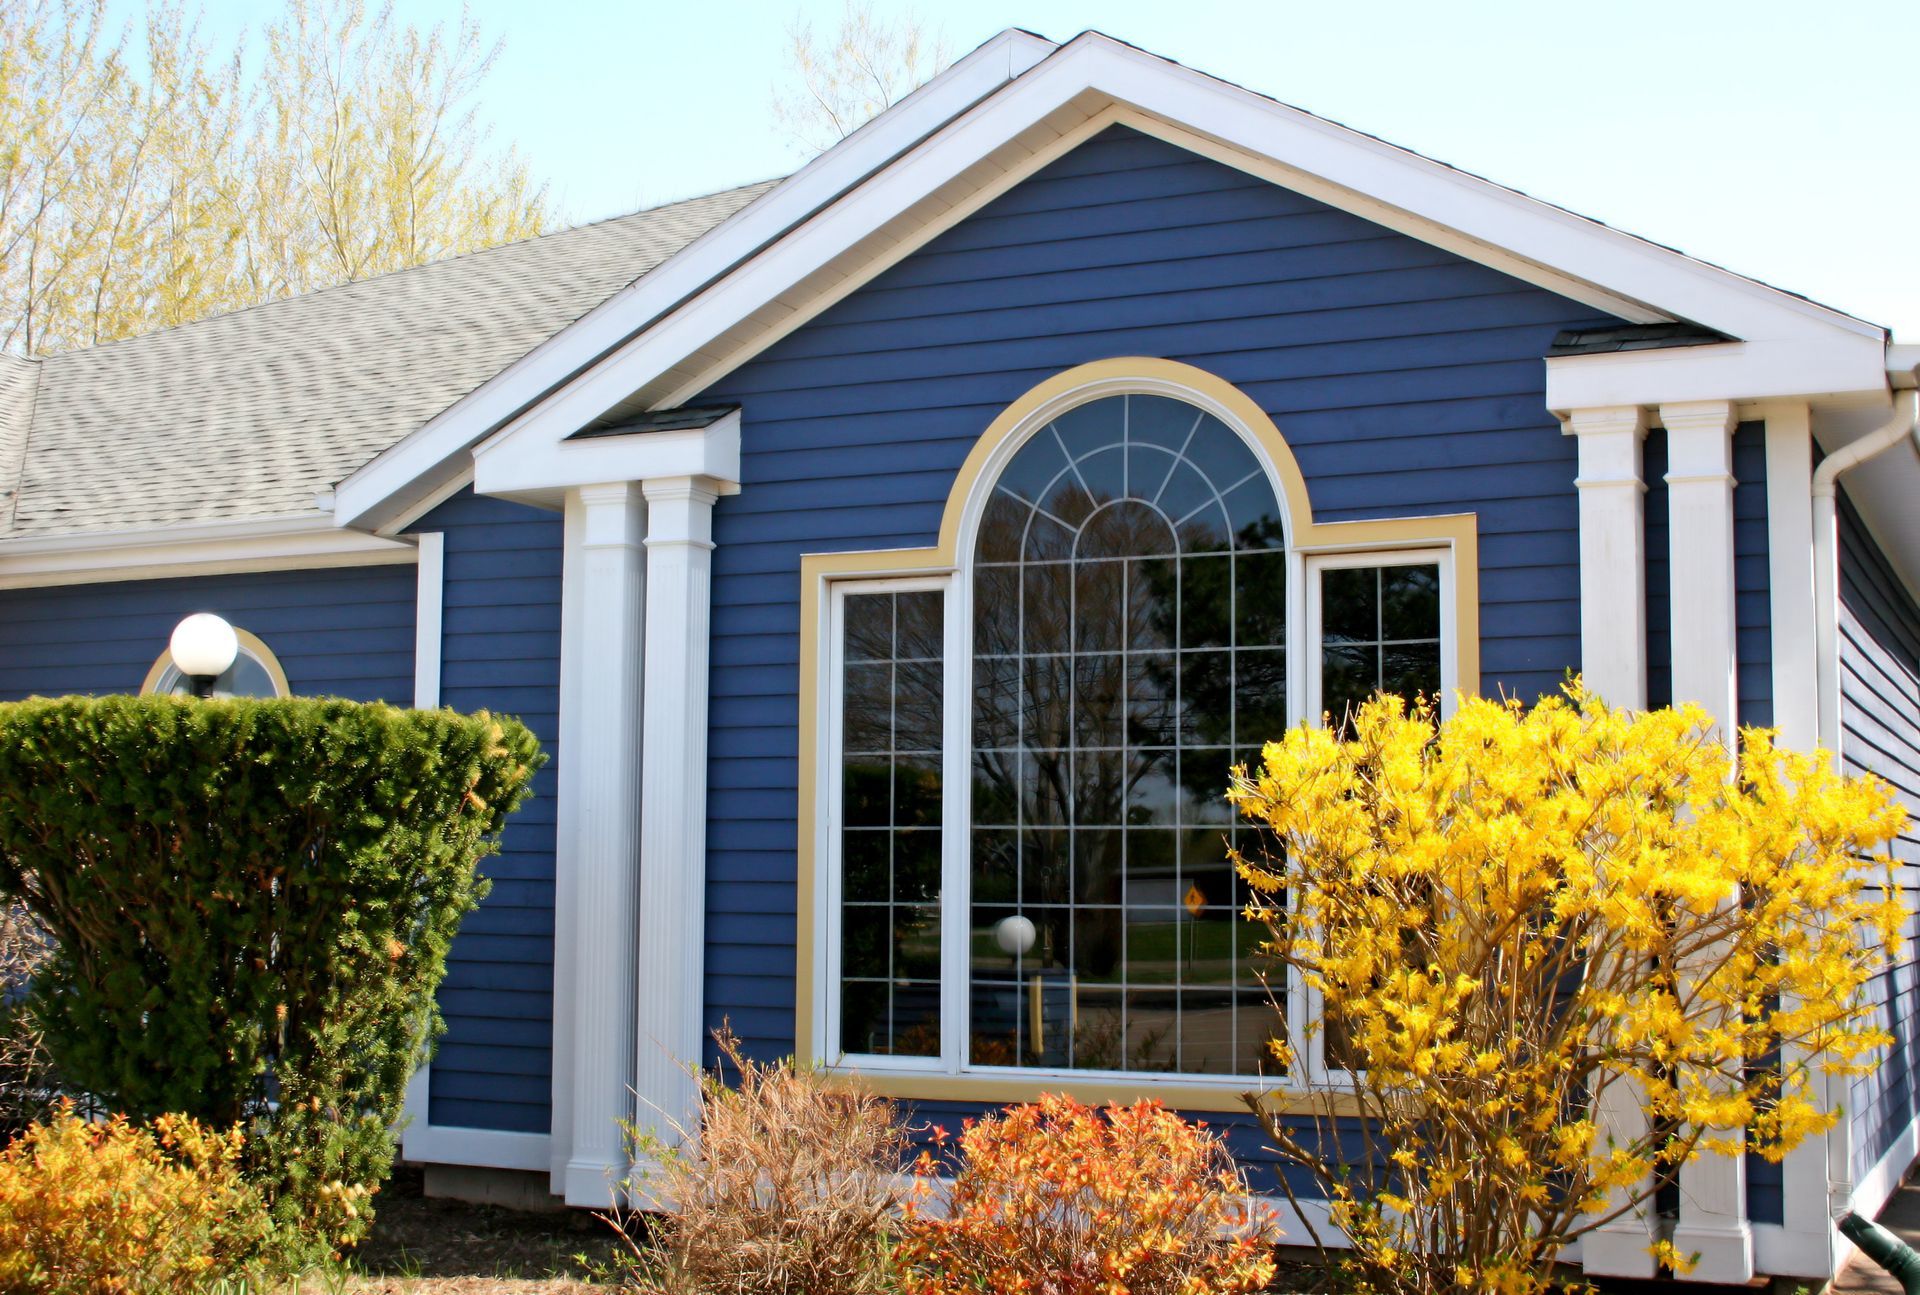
416,462
286,543
1513,232
523,467
1825,364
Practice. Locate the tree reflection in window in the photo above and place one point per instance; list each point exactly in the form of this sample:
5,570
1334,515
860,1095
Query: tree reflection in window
1379,632
1129,648
891,728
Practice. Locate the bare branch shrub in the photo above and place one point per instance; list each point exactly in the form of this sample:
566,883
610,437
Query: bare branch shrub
792,1185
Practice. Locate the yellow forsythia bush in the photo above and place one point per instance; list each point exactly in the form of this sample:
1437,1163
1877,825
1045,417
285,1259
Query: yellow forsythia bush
1056,1198
1562,950
116,1208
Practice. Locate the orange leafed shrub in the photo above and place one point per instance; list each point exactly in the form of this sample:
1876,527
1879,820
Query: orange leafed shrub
118,1208
1056,1198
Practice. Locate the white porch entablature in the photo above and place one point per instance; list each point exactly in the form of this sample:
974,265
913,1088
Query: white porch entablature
538,470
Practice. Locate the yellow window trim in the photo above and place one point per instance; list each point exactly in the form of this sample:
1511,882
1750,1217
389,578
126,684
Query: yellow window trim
1455,532
250,644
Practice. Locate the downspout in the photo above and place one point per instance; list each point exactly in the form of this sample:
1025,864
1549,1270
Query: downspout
1826,555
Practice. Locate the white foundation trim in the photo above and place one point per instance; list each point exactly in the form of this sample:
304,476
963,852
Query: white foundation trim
1613,565
606,564
488,1148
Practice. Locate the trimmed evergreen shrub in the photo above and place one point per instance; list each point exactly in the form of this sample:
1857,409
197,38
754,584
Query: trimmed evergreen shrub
251,903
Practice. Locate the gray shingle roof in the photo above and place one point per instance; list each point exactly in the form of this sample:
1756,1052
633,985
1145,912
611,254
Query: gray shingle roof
253,413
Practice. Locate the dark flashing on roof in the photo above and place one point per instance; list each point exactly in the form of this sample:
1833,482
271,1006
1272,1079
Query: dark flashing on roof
1633,337
661,420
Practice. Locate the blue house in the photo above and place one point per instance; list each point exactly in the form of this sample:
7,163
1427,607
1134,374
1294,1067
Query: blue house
895,557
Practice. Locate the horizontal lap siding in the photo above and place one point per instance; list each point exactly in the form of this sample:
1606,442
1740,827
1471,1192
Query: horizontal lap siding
500,651
1880,735
338,632
1407,380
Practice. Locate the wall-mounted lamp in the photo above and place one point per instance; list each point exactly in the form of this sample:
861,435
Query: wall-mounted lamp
204,647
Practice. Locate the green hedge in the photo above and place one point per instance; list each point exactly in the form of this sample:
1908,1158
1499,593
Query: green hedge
252,902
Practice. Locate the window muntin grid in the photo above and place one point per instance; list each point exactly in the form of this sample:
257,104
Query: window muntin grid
1129,648
1379,632
892,731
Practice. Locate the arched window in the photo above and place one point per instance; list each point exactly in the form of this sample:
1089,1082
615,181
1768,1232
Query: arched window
255,672
1129,597
1026,735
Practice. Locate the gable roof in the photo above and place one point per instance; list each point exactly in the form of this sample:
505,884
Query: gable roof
905,178
254,413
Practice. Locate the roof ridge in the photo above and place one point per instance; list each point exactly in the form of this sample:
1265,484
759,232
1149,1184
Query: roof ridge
384,275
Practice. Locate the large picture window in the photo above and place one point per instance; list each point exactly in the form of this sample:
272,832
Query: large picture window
1031,741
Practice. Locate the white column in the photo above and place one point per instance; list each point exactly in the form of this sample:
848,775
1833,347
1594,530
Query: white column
566,900
1795,714
1713,1187
1613,664
673,846
1613,553
606,564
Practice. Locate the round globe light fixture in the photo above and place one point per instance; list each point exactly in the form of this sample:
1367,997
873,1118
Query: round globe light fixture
203,648
1014,935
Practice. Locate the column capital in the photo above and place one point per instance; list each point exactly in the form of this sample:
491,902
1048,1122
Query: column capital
1699,441
612,514
1607,420
680,509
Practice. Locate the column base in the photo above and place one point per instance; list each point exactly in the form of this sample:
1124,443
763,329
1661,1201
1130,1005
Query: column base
1622,1248
1725,1251
594,1184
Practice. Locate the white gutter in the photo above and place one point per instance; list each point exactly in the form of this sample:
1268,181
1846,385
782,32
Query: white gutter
1826,555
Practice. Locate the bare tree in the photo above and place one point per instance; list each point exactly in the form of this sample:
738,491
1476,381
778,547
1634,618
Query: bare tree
131,200
845,80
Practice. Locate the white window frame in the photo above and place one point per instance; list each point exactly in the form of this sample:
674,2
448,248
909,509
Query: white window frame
953,855
1304,567
1304,1003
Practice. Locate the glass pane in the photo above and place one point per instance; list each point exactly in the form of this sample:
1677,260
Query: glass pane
870,627
1350,605
1260,599
1348,676
1206,601
1410,603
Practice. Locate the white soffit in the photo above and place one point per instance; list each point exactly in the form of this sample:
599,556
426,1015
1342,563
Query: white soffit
656,343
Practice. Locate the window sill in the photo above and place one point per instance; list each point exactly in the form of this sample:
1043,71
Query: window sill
1176,1092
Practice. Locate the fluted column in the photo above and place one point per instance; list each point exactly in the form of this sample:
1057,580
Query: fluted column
673,802
1613,664
604,561
1713,1187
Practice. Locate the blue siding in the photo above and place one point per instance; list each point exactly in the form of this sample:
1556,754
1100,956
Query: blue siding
1407,380
1880,735
344,631
500,651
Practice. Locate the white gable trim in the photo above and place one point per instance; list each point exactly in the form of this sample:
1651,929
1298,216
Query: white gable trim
412,467
748,286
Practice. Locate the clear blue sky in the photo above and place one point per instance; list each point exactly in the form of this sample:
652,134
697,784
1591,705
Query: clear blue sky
1776,138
